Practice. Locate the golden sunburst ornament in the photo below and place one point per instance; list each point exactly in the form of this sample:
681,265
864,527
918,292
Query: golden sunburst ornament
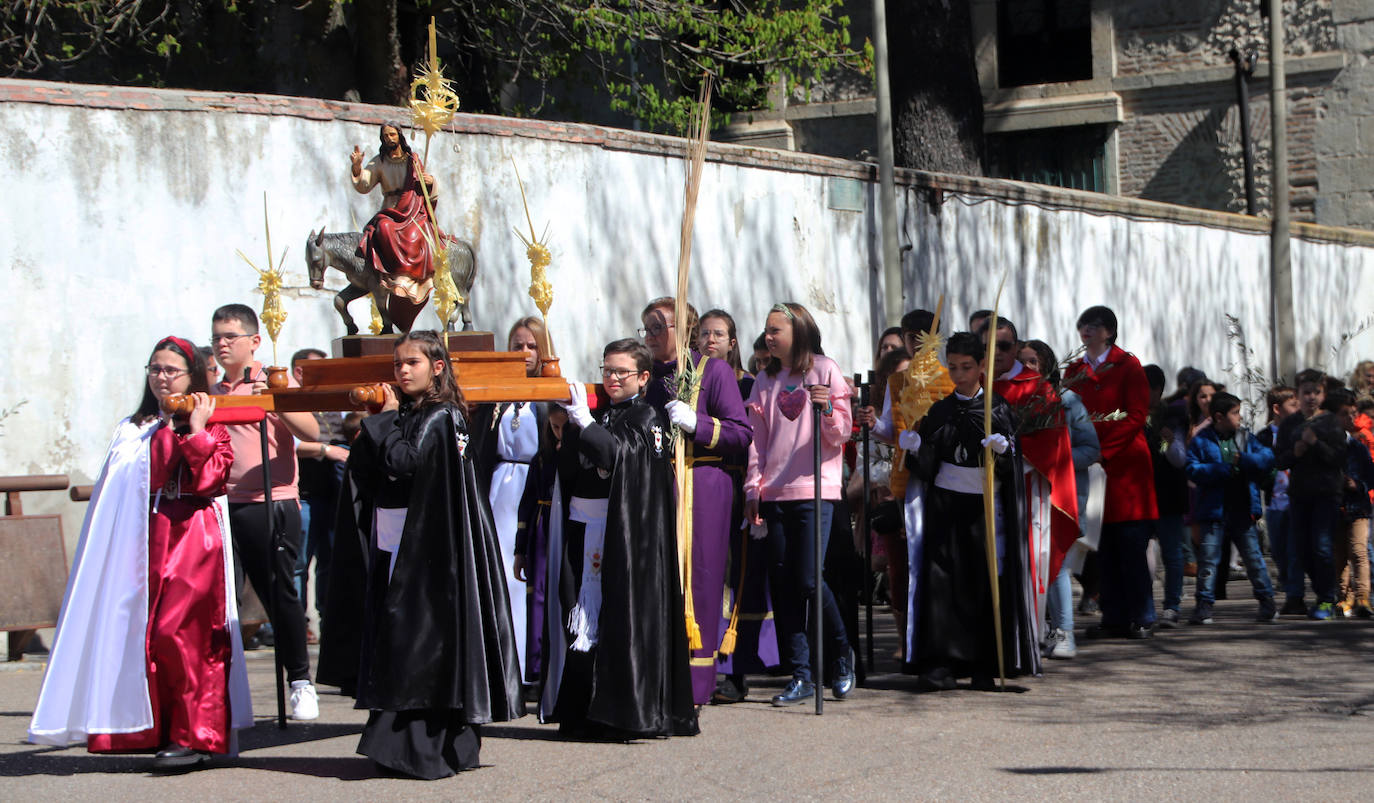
537,252
927,381
432,99
273,314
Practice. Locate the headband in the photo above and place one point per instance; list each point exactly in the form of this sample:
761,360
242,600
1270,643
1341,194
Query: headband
785,310
186,348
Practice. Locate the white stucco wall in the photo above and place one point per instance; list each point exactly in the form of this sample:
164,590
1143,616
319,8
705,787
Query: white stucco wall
121,226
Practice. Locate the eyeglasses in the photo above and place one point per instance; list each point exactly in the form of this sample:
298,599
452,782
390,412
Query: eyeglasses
655,330
1005,345
618,374
165,370
217,339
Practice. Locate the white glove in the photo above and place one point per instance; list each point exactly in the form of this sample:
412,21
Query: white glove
578,410
909,440
682,416
998,442
758,532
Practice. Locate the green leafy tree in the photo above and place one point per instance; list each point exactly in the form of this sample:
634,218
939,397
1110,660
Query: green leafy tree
601,60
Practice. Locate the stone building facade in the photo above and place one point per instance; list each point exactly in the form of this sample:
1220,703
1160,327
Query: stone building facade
1139,99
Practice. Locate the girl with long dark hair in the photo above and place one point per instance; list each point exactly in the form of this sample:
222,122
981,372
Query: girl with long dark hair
148,648
438,648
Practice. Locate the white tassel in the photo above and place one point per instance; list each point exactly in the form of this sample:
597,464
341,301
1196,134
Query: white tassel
577,625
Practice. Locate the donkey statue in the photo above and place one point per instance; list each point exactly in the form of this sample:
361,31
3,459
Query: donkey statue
339,251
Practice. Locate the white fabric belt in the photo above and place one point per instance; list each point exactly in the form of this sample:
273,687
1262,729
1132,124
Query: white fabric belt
585,617
960,479
587,510
389,523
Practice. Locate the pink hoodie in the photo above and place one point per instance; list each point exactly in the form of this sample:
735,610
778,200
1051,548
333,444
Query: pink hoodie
781,458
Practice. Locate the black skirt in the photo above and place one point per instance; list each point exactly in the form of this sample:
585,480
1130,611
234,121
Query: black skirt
422,744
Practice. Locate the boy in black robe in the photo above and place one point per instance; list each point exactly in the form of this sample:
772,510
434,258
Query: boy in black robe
626,673
956,632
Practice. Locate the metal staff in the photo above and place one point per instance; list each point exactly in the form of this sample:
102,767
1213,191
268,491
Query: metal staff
268,521
817,542
276,548
865,399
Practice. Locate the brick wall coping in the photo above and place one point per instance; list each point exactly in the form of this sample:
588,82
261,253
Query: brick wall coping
94,96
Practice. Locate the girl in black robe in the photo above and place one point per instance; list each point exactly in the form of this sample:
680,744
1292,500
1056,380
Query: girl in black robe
438,651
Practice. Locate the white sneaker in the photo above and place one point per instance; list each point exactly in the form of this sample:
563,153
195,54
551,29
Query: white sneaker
1062,644
305,701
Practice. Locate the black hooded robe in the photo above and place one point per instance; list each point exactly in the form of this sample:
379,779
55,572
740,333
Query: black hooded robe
956,631
436,648
635,682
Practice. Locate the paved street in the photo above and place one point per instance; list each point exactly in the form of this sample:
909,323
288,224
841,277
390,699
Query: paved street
1231,711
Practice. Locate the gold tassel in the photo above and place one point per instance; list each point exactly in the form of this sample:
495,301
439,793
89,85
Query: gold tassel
693,634
727,642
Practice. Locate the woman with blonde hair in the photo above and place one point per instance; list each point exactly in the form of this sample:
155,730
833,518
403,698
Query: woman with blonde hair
1362,379
509,436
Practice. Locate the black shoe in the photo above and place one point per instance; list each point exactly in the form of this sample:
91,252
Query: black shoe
938,679
1088,606
843,676
1139,632
983,681
175,758
798,691
1105,632
1293,606
729,690
1268,612
1202,614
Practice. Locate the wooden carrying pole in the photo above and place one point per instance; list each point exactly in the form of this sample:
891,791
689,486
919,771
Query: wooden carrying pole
990,488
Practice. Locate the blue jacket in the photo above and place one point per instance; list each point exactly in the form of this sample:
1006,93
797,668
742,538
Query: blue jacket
1210,474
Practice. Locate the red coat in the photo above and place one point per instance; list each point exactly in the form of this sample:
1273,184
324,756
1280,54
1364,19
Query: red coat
1120,384
1044,442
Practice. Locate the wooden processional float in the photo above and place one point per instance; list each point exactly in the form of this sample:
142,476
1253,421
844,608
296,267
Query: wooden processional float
347,383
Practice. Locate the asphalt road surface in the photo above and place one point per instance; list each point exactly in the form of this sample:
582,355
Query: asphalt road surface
1230,711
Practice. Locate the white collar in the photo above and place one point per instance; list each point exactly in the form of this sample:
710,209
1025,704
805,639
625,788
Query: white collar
1097,363
962,397
1016,369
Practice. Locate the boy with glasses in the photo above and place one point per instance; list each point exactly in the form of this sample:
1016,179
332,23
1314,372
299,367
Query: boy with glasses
1051,490
625,673
268,557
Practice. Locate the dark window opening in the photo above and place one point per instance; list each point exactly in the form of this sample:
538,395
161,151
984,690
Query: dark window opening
1074,157
1043,41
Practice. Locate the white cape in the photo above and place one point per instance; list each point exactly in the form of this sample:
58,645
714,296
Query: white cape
97,680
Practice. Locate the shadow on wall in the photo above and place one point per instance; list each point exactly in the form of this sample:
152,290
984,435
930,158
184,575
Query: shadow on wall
1195,171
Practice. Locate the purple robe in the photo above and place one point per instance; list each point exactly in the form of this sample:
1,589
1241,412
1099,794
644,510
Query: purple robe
722,432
